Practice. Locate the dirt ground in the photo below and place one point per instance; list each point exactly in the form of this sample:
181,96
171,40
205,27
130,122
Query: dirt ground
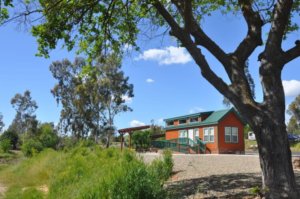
213,176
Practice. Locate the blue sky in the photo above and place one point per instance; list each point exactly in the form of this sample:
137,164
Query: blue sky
167,82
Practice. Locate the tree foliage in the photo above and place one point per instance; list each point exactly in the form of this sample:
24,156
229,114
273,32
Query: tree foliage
141,139
98,27
12,136
91,96
1,122
25,118
294,111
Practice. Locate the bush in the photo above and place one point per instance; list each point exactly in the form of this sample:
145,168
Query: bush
85,172
5,145
31,146
104,173
48,140
12,136
163,168
141,140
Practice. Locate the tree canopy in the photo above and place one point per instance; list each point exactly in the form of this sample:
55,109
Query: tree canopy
102,27
25,118
91,96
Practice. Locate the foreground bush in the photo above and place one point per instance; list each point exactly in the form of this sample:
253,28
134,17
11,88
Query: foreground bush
5,145
88,172
31,147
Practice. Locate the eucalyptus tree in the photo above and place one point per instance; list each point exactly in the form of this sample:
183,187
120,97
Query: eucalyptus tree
91,96
1,122
101,26
25,119
74,116
113,87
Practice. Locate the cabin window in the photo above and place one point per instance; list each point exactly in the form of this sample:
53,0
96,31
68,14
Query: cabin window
182,121
194,119
231,134
170,123
182,133
196,132
209,134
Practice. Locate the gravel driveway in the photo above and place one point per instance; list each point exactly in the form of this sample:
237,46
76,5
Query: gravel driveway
213,176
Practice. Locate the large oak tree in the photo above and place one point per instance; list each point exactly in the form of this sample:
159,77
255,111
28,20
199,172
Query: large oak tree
99,26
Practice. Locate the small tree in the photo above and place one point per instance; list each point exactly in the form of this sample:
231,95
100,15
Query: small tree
294,111
12,136
141,140
25,119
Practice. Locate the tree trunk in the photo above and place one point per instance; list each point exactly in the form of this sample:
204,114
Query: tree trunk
275,160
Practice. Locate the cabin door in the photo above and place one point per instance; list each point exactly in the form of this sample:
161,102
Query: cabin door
191,134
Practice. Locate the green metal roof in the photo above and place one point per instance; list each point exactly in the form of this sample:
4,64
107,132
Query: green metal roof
212,119
188,116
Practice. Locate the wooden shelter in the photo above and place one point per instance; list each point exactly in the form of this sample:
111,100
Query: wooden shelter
130,131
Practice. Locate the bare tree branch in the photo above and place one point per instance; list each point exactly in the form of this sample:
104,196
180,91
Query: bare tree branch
253,37
292,53
281,16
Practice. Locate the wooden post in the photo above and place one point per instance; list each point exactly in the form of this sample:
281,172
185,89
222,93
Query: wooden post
129,139
122,141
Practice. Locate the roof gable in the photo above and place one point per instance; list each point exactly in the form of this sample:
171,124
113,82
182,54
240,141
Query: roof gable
214,118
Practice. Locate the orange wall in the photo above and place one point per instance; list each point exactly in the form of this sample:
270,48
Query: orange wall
231,120
219,145
172,134
211,146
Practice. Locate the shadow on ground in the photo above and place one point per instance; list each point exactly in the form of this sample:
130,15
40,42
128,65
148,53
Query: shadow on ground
218,186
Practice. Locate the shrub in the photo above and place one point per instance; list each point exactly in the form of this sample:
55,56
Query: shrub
163,168
48,139
104,173
5,145
85,172
141,139
12,136
168,161
31,146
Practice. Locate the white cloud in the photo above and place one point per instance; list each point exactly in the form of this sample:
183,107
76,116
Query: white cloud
127,99
195,110
149,80
291,87
135,123
166,56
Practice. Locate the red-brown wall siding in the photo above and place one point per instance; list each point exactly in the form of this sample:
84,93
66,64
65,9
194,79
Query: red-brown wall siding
212,147
172,134
231,120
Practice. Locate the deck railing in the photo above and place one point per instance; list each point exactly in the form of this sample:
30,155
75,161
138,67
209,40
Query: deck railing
183,145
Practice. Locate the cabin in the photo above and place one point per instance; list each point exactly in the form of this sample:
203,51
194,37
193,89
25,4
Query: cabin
221,131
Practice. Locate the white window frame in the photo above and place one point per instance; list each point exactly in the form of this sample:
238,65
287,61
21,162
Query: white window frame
231,131
182,133
196,133
209,134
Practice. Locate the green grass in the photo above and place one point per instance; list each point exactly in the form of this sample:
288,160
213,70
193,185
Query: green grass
85,172
295,147
249,143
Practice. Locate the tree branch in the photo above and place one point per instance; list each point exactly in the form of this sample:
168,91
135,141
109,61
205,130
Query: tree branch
281,16
253,37
184,36
199,35
292,53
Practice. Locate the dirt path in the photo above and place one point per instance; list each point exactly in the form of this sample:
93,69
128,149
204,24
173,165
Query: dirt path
2,190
